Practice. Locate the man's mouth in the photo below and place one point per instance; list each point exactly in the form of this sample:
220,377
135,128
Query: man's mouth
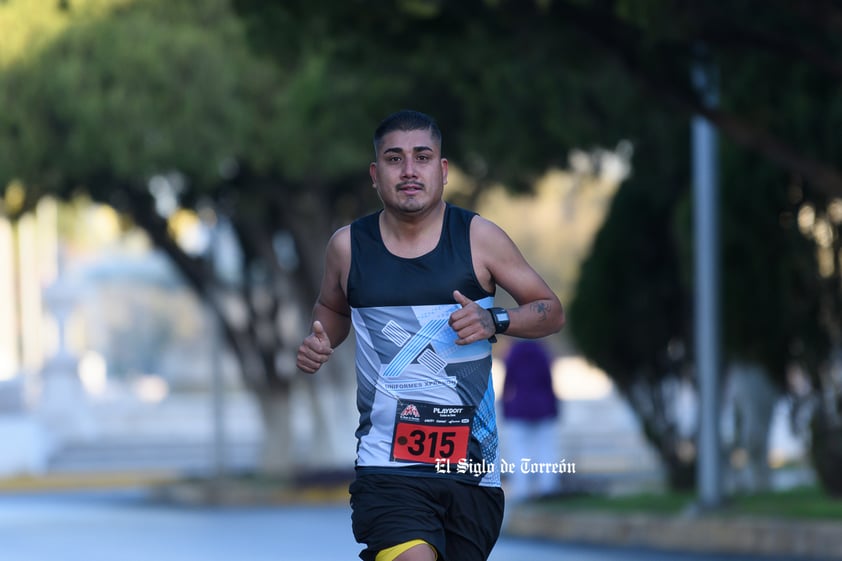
410,187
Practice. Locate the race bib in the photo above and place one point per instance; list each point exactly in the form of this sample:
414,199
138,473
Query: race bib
426,432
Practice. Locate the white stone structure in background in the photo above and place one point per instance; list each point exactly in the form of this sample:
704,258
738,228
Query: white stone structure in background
23,443
62,408
28,254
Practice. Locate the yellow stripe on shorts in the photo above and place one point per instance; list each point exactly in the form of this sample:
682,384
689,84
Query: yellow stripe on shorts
390,553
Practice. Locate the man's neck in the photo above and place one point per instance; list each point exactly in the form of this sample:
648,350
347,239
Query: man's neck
412,235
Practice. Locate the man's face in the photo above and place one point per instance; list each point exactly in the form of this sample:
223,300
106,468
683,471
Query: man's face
409,174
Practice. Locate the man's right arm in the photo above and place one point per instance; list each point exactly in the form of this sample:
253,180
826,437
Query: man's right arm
331,314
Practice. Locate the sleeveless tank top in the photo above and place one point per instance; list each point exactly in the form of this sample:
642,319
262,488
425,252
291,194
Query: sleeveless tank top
426,404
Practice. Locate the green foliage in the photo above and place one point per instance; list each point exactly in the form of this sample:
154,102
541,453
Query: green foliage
630,302
779,95
826,447
157,87
133,96
800,503
659,504
30,25
509,98
771,298
327,120
621,319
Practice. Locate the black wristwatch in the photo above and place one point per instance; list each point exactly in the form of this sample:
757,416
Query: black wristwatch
501,319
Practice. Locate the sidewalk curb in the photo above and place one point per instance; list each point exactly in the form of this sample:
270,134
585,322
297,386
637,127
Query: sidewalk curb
175,488
317,487
735,535
75,481
232,493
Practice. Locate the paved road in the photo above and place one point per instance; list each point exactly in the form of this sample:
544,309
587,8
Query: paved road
127,526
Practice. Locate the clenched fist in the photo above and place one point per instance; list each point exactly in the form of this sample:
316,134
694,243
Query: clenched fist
315,350
472,322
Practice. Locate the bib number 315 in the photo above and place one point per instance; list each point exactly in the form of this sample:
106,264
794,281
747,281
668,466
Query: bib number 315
417,443
425,432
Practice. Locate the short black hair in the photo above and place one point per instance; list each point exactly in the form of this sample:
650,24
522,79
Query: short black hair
405,120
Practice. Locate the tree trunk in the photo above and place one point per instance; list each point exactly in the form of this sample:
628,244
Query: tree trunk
309,423
331,396
277,457
826,433
750,400
653,404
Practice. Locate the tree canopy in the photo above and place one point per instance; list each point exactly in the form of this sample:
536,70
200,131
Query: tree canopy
263,112
777,104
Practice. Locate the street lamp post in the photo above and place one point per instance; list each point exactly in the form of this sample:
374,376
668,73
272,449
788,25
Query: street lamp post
707,320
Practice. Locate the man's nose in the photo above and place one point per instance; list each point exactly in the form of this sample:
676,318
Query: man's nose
408,168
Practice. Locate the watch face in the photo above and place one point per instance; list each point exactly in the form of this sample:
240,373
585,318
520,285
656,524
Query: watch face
501,319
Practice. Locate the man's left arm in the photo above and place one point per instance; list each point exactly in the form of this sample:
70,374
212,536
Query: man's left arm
539,311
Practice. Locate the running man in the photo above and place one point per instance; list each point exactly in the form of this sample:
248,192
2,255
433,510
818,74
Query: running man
417,281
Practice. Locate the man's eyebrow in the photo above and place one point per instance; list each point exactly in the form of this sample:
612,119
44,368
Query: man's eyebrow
397,150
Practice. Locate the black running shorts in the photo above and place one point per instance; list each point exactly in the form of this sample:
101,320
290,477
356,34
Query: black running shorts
461,521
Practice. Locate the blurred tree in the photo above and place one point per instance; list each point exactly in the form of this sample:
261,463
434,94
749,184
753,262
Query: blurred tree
780,305
490,74
154,100
276,149
631,313
622,69
502,53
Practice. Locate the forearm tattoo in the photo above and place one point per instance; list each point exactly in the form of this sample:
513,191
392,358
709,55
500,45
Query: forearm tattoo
542,309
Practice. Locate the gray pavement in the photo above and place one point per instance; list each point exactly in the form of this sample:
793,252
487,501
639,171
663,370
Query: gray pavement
126,525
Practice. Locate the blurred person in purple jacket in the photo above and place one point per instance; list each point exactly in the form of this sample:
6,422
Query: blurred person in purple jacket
531,413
